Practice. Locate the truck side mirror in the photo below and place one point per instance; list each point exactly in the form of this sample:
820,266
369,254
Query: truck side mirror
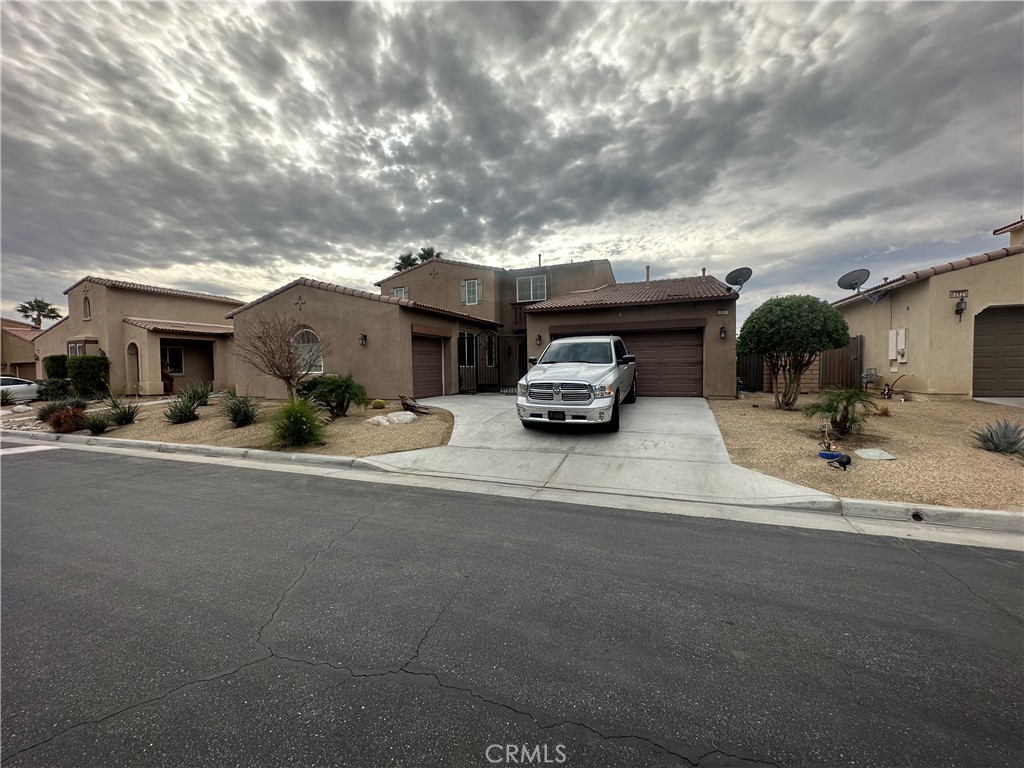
626,359
531,360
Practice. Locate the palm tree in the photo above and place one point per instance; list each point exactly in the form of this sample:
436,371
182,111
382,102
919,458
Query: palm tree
405,261
427,253
845,409
38,310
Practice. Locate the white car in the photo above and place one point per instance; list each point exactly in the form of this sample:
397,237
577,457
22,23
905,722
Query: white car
22,390
581,379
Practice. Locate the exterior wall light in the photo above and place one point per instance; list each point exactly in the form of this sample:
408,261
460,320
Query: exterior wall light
961,307
362,339
539,340
721,333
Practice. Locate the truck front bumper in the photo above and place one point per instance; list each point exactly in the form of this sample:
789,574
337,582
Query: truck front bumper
598,411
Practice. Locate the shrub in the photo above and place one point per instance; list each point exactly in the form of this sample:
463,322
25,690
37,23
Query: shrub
883,410
120,411
199,393
54,389
846,409
298,422
46,411
181,411
240,411
97,423
56,366
1003,437
89,374
378,405
66,419
6,397
337,393
304,388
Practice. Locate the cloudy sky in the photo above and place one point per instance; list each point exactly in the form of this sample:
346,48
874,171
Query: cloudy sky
231,148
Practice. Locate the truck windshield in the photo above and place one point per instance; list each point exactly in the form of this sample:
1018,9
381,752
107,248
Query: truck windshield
579,352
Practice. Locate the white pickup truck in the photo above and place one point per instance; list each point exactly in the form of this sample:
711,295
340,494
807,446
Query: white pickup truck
581,379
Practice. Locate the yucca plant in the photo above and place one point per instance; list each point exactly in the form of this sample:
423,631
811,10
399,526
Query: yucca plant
97,423
181,411
199,393
298,422
47,410
1002,437
240,411
845,409
6,397
120,411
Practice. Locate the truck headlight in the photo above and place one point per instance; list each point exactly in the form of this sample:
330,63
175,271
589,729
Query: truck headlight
523,388
603,390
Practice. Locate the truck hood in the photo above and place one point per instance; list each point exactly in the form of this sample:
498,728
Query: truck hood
589,372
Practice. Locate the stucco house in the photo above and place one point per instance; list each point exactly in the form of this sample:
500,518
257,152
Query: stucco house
392,346
17,348
682,331
138,326
955,330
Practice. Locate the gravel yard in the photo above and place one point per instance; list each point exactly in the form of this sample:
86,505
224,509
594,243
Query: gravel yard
937,460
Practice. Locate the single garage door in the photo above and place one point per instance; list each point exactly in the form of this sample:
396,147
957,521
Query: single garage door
426,367
999,352
668,363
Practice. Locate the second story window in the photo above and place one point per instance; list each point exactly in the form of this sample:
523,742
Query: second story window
471,292
533,288
86,308
400,293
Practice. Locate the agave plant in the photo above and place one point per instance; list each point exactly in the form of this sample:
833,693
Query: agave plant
181,411
120,411
1002,437
845,409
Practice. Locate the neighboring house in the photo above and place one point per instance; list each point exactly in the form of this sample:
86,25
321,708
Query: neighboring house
17,348
955,330
682,331
491,361
138,327
391,346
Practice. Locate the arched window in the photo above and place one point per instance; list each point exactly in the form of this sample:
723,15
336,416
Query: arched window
86,308
307,344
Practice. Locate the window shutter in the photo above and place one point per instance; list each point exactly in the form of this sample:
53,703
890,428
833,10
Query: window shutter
462,293
479,291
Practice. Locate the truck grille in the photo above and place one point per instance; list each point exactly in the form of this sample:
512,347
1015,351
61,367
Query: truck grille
568,392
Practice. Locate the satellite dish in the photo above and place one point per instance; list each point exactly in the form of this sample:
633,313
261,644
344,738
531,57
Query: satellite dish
852,281
738,277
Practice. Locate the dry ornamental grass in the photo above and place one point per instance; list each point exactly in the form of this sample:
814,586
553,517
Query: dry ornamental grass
937,459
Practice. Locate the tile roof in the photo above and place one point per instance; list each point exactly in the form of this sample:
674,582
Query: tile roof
510,270
924,274
363,295
671,291
174,326
10,322
124,285
1016,225
25,334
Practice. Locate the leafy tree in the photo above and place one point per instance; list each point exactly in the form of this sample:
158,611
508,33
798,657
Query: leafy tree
38,310
845,409
409,259
267,342
790,332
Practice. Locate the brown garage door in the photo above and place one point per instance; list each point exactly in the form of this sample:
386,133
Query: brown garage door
426,367
668,363
999,352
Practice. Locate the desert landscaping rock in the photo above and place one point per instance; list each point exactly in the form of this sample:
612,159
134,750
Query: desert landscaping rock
402,417
379,421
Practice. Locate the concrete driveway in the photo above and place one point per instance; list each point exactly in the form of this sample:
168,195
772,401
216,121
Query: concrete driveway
665,448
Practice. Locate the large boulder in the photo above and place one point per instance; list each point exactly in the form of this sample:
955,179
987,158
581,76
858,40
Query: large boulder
402,417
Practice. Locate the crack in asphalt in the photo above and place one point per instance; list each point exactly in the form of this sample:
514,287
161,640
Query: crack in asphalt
202,680
137,704
963,583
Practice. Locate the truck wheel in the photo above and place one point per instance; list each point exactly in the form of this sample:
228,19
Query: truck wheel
631,395
613,422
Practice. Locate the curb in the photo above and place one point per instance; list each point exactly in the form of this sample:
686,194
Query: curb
953,517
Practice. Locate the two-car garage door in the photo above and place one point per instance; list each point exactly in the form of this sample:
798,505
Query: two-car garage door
668,363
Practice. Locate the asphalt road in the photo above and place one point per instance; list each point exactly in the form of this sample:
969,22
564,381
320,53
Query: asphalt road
174,614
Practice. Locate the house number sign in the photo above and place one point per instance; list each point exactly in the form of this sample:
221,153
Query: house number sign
722,312
961,294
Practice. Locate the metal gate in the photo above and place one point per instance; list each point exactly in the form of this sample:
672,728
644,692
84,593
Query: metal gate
490,363
750,369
